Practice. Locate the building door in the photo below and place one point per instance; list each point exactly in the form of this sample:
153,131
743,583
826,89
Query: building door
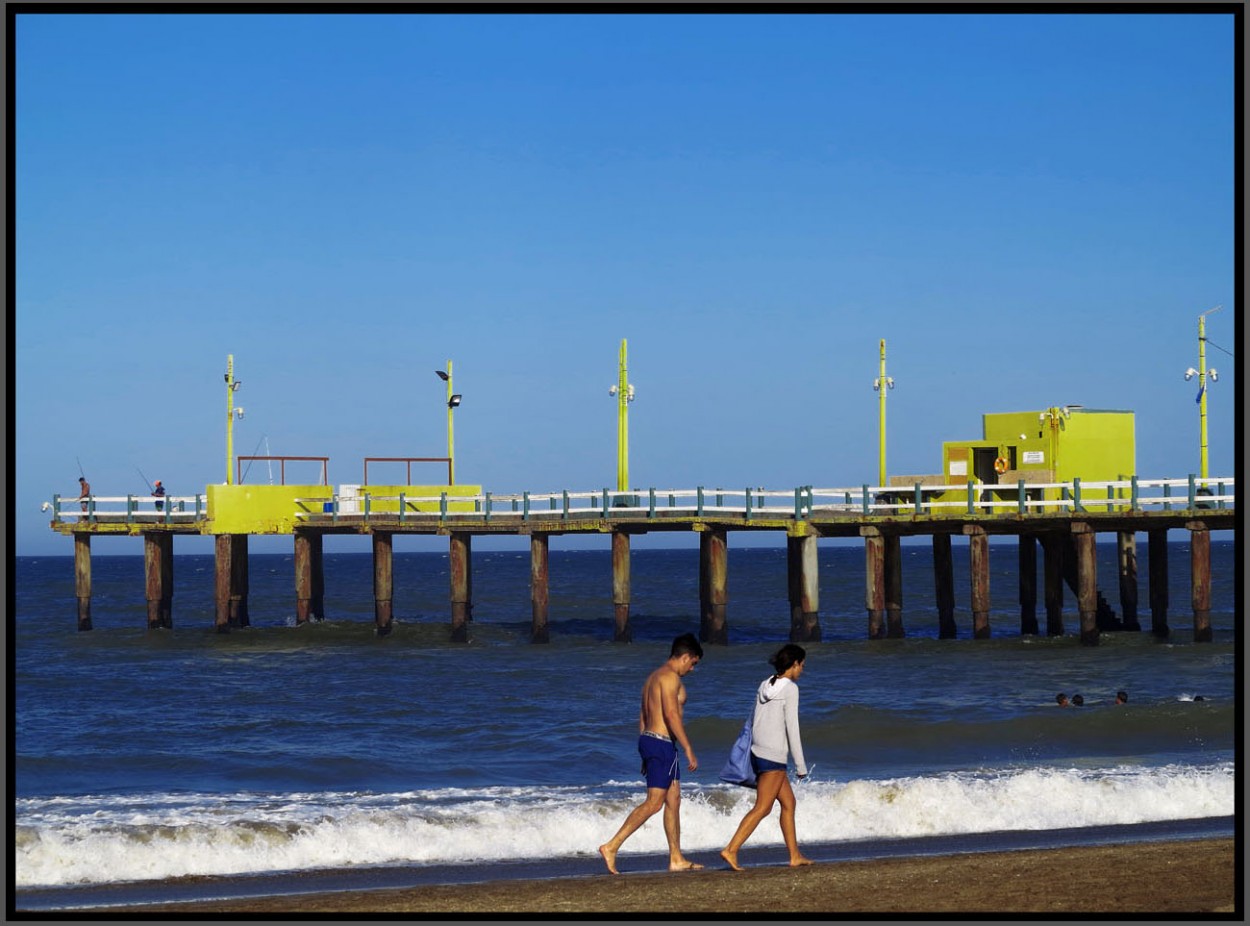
983,464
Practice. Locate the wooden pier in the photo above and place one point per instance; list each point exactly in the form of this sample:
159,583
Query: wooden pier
1064,528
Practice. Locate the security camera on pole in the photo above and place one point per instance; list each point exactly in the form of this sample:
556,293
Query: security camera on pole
1202,373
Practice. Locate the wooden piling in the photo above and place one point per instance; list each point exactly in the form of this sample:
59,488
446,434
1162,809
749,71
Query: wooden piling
460,555
316,567
383,582
540,596
620,587
892,578
1157,556
944,586
303,577
1087,581
1200,579
713,582
239,615
874,584
82,578
158,572
979,576
223,575
1052,594
1028,583
1126,548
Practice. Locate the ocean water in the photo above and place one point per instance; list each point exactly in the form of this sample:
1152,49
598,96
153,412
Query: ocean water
144,759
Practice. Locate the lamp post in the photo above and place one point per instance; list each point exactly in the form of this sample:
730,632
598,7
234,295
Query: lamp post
880,385
453,399
1202,373
624,393
231,413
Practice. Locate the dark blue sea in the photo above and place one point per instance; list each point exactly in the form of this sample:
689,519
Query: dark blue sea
182,762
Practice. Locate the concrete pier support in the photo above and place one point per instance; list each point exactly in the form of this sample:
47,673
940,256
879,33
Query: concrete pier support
1087,582
944,586
874,581
383,582
1126,548
460,556
540,595
1052,594
809,591
893,580
620,587
713,585
1200,579
1157,555
230,582
82,579
794,586
158,573
979,576
1028,584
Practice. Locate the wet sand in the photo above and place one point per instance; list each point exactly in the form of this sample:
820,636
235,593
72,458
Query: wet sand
1175,877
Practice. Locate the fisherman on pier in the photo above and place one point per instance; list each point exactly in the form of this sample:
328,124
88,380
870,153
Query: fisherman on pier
159,491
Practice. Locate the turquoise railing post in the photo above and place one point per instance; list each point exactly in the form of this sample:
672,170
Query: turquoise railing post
169,508
1020,499
864,498
401,507
605,503
699,490
1076,494
1132,493
972,501
91,508
798,503
130,509
1220,488
672,500
651,502
487,506
1167,493
334,510
919,500
56,509
1192,493
811,501
525,510
565,515
442,506
720,499
748,504
552,502
368,499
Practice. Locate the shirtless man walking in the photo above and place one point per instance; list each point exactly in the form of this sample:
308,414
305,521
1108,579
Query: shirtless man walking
660,730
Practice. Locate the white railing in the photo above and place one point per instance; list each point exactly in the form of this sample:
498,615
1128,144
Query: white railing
128,509
976,499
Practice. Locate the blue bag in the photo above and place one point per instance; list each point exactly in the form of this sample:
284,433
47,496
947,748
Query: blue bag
738,770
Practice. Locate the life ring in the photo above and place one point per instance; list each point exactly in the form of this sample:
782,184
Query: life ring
1000,465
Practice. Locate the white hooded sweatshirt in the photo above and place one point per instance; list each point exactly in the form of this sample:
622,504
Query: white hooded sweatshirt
775,726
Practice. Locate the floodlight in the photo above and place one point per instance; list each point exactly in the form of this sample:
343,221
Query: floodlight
454,401
1213,373
1190,373
612,389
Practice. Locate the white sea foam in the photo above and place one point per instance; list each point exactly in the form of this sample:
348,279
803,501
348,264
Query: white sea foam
94,840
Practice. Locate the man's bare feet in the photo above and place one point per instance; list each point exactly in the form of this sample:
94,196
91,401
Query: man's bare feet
731,859
801,860
609,858
684,865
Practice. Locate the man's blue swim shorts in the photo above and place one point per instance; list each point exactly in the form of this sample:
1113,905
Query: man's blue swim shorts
659,760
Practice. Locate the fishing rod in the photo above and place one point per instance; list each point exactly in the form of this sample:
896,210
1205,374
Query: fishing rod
249,462
80,472
145,479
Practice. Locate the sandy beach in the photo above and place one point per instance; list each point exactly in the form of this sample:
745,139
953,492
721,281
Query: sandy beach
1195,877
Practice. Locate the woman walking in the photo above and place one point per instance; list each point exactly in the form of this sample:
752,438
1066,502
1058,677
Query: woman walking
774,738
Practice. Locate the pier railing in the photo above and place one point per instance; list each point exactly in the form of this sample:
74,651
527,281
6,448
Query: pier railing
964,499
970,499
129,509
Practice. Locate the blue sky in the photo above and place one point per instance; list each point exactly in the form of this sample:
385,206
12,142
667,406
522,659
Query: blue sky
1032,210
